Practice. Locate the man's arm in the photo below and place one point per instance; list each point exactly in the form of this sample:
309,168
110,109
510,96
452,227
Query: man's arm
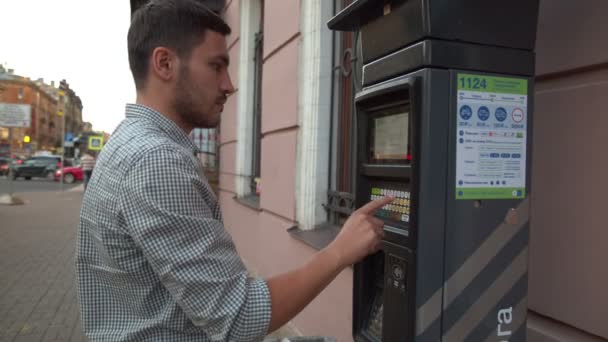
292,291
166,209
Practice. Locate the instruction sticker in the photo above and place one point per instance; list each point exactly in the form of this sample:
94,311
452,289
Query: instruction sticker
492,116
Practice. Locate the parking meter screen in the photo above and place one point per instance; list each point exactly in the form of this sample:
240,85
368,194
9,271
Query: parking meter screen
389,137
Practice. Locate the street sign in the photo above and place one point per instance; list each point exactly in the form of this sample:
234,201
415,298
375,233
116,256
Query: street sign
15,115
95,143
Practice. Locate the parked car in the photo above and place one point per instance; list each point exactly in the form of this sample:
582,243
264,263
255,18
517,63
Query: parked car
42,166
4,164
56,158
70,174
6,161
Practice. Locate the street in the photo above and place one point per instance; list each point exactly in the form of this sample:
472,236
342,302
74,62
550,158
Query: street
37,293
21,185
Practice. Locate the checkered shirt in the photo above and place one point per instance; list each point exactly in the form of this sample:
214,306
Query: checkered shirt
153,260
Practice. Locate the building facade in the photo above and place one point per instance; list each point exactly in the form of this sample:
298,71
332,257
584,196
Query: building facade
44,127
47,105
286,143
87,127
69,105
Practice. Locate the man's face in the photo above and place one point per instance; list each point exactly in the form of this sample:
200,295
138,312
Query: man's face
203,83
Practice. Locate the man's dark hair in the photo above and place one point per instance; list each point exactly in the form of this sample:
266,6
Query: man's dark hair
176,24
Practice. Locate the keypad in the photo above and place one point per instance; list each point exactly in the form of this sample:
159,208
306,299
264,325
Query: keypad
399,209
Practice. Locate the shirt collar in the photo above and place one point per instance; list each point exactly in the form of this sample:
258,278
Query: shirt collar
138,111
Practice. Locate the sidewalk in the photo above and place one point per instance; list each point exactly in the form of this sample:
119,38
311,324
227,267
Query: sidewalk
37,293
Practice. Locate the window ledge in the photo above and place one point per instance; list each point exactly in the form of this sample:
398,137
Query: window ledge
318,238
251,201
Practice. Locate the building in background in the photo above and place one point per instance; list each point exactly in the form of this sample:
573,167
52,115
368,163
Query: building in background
70,105
44,122
47,107
87,126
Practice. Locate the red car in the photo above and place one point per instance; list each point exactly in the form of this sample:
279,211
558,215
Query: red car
70,174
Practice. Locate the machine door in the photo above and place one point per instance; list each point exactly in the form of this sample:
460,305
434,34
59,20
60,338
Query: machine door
387,132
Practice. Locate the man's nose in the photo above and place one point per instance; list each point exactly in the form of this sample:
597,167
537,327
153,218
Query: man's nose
227,85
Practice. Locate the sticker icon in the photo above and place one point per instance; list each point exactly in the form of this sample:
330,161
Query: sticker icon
466,112
483,113
517,115
500,114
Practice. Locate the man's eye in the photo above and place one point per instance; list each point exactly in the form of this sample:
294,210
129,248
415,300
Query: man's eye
216,66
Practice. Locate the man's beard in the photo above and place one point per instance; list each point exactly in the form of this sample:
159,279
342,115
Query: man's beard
185,105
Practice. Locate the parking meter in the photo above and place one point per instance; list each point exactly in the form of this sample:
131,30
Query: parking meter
444,126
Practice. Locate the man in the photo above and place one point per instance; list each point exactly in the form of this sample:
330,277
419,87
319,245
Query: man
154,262
87,162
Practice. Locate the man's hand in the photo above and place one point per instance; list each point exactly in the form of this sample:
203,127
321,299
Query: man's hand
292,291
360,235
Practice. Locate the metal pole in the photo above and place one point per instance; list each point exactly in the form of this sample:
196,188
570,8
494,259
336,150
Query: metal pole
10,165
62,144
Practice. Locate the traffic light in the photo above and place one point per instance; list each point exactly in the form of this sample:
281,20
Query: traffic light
26,139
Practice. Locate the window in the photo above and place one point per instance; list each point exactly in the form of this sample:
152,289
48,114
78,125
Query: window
257,107
206,140
346,82
324,137
249,103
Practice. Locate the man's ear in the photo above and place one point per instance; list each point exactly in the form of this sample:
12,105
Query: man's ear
164,63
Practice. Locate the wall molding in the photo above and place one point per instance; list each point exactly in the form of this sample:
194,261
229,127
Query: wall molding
314,112
250,13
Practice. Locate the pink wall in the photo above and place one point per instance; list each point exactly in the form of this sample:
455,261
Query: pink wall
281,23
279,108
229,121
233,18
261,235
228,165
280,89
243,224
228,183
278,173
262,240
227,132
330,314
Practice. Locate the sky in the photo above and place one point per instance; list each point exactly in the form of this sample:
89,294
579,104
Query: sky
81,41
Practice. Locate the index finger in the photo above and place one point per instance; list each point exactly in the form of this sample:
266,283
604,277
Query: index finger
374,205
